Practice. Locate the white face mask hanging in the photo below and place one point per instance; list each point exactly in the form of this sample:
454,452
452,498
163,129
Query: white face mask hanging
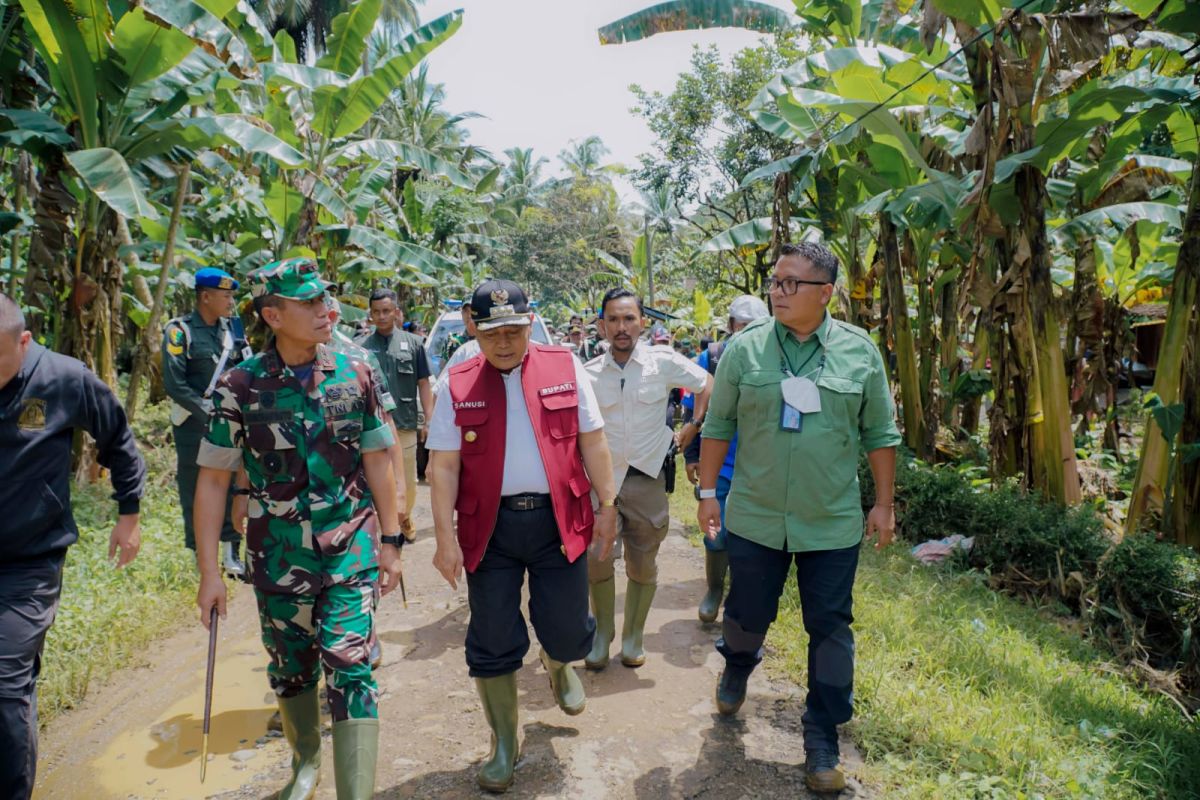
801,394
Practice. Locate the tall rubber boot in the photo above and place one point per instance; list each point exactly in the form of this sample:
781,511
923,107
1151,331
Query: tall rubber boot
604,601
499,697
301,718
637,608
568,691
716,564
230,562
355,751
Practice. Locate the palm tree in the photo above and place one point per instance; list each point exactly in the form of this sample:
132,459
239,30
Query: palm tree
309,22
521,179
660,214
583,159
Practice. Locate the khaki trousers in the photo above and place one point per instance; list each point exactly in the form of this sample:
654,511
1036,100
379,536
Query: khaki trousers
408,441
643,517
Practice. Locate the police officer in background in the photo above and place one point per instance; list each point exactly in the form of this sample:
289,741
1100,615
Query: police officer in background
406,372
632,382
196,349
44,398
516,448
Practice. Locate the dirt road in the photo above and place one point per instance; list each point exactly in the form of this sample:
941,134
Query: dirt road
647,733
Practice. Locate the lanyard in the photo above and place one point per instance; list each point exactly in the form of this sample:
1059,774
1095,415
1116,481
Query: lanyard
786,365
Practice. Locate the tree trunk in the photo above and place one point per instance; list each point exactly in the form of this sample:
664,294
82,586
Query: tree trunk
902,337
146,342
48,269
1150,482
1185,499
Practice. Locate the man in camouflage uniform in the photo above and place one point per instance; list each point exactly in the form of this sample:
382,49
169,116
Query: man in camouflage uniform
307,425
196,348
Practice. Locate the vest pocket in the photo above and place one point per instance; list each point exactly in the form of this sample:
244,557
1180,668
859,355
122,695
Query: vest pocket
472,422
581,489
275,455
562,414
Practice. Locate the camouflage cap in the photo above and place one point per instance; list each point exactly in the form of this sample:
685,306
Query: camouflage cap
294,278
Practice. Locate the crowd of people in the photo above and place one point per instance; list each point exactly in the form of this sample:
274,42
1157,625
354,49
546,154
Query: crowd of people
548,463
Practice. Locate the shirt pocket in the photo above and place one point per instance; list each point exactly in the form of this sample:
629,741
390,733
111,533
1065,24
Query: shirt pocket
473,424
841,401
562,414
759,396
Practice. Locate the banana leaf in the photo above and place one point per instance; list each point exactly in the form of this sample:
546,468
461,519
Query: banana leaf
686,15
108,175
347,41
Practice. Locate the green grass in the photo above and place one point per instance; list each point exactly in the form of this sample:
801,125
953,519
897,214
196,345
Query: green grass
965,693
107,619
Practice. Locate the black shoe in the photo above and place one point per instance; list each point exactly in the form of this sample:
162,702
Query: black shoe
821,773
731,690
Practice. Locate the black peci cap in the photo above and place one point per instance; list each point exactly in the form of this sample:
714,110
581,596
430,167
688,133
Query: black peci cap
496,303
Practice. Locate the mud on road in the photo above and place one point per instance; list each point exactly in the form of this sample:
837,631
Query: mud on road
651,732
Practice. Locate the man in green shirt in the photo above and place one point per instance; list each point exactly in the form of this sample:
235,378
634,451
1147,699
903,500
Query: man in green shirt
406,372
803,392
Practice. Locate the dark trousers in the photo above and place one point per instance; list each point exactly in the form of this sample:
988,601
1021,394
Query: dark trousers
187,449
28,599
825,579
497,637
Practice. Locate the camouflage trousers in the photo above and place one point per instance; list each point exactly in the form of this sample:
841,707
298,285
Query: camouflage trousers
334,629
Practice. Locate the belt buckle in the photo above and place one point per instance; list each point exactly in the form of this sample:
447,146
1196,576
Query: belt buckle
523,503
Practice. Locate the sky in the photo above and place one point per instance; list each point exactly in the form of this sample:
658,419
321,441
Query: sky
537,72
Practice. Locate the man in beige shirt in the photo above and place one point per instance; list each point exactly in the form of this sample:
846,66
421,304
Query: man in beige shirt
632,382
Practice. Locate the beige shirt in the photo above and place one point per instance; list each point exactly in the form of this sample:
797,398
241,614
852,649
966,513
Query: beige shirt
633,402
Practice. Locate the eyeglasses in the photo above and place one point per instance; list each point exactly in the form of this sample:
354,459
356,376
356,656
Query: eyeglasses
789,285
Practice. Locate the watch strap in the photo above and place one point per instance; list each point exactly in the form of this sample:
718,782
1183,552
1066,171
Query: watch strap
707,494
396,540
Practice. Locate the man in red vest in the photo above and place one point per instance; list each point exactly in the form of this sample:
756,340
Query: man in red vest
516,450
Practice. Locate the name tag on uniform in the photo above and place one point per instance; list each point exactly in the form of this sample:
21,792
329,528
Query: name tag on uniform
557,389
790,419
404,347
470,404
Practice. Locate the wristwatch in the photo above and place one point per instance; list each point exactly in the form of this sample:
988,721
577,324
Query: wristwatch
396,540
706,494
239,491
608,503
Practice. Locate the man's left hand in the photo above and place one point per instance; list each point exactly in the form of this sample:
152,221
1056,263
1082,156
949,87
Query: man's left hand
424,432
605,530
126,537
881,522
389,568
685,435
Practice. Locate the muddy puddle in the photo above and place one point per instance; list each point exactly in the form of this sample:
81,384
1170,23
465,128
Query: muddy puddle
159,759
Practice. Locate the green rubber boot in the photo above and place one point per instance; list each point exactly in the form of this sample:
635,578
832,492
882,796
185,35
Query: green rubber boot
637,608
568,691
301,718
716,564
355,751
499,696
604,601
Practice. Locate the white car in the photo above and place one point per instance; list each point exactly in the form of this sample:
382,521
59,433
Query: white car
450,324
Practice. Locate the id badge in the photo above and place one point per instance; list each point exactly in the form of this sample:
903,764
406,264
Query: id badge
790,419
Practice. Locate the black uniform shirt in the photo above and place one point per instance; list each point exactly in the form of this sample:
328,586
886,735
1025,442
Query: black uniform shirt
39,410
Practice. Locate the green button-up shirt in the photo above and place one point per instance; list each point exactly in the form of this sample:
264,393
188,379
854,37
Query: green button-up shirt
798,491
404,363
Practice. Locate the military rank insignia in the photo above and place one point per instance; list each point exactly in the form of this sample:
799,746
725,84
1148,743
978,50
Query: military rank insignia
175,340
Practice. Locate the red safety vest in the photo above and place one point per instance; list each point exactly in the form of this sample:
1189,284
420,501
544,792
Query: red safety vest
480,411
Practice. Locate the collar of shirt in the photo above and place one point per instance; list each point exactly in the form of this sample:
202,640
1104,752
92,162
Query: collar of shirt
273,363
640,354
821,333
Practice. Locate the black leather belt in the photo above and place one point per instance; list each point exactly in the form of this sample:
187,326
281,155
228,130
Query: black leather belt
525,502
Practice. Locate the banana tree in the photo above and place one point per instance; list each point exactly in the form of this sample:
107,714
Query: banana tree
321,110
121,77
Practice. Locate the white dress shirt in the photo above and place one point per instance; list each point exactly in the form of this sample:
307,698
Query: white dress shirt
523,468
466,351
633,402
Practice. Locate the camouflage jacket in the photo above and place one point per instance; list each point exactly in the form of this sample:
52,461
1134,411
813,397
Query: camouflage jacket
311,519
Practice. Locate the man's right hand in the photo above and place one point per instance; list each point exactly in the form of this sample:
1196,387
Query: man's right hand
693,472
211,593
448,560
708,514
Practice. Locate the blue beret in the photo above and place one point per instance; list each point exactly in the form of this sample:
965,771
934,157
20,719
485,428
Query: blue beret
213,278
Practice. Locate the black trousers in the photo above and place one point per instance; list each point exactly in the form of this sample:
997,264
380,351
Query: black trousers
187,449
28,599
825,579
497,636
